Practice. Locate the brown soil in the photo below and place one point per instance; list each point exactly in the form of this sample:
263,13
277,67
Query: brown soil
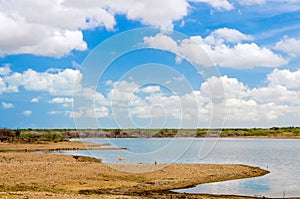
28,175
52,146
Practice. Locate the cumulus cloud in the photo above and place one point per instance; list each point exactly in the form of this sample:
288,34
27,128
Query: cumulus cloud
229,35
86,112
35,100
60,82
49,41
224,87
126,99
54,112
218,4
288,45
57,45
151,89
127,102
61,100
260,2
258,105
242,104
5,70
155,12
58,31
27,112
64,101
123,91
214,50
286,78
4,88
251,2
98,112
276,94
7,105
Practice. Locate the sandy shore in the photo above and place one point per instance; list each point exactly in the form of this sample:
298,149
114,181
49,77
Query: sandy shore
28,175
52,146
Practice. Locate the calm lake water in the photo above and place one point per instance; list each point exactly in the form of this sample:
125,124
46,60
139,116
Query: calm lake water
280,156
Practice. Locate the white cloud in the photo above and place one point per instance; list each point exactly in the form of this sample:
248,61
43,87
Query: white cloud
150,89
27,112
61,23
123,92
4,88
278,99
74,114
64,101
218,4
76,65
86,112
214,50
272,111
246,55
55,83
50,41
288,45
229,35
224,87
260,2
241,102
195,106
277,94
54,112
286,78
5,70
57,45
98,112
7,105
61,100
252,2
261,106
35,100
241,110
155,12
179,79
59,27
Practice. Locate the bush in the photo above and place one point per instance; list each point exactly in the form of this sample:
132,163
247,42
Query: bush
6,135
52,137
29,135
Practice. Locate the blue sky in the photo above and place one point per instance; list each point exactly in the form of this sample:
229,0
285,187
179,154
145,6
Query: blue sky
209,63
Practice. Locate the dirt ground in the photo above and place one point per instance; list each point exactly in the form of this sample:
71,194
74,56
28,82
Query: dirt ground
52,146
29,175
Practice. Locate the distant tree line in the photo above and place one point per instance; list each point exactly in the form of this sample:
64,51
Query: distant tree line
8,135
58,135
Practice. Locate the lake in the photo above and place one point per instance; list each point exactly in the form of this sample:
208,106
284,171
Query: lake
280,156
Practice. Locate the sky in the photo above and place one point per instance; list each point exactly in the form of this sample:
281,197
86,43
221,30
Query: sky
149,64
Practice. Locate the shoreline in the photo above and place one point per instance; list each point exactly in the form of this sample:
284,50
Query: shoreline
52,146
29,174
213,137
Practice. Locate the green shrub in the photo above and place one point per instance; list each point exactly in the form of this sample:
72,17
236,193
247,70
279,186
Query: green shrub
28,135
